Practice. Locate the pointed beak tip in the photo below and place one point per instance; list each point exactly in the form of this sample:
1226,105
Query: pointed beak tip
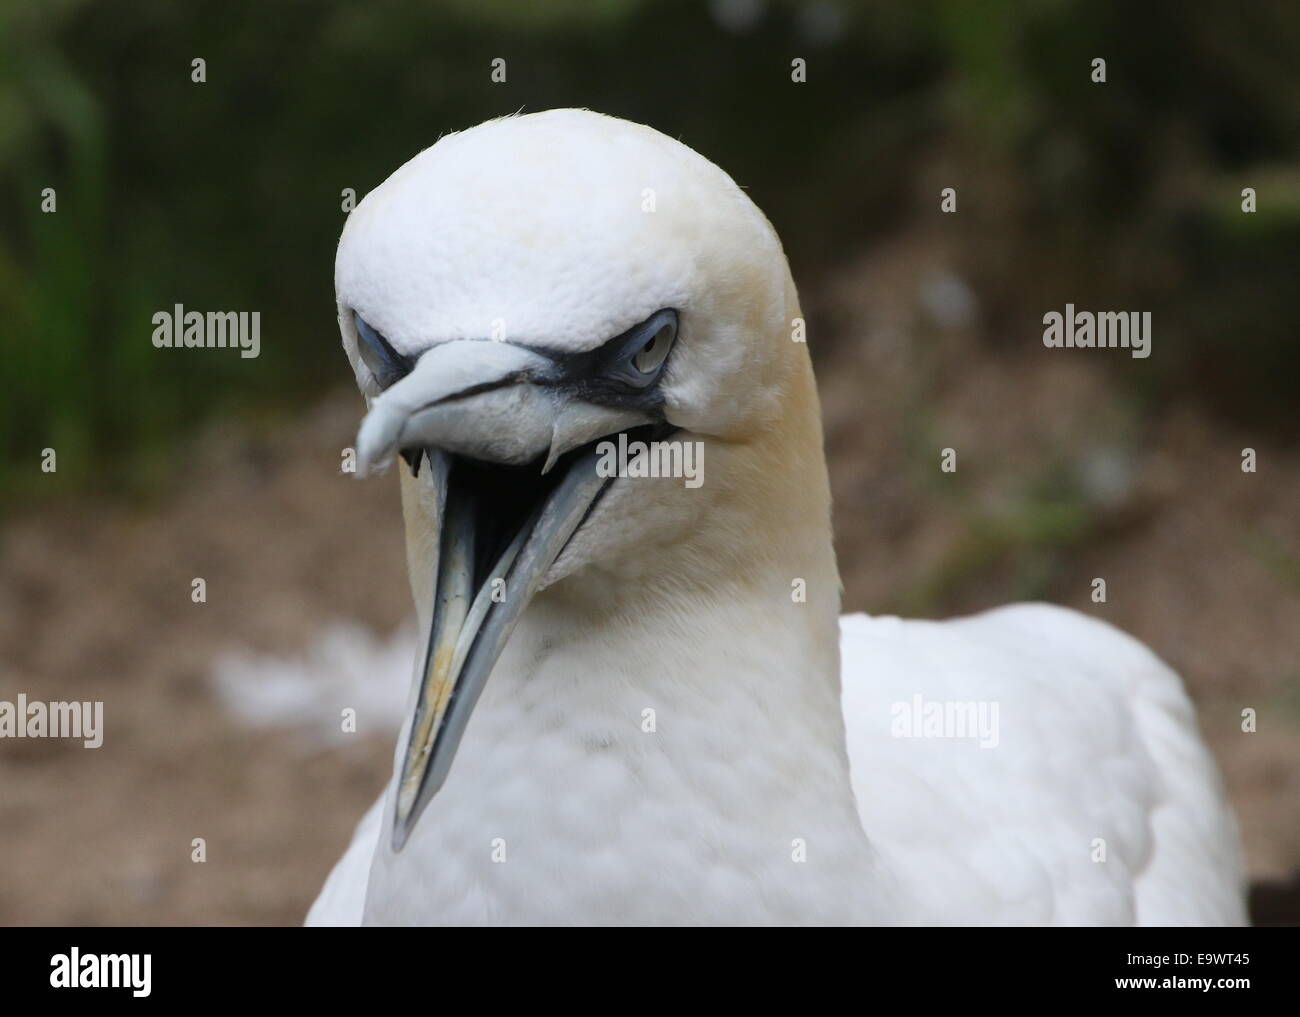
468,627
377,438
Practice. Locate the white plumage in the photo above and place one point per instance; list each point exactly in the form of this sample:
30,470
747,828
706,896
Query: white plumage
664,738
1097,747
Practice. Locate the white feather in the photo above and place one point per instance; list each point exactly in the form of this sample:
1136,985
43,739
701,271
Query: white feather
759,793
1096,741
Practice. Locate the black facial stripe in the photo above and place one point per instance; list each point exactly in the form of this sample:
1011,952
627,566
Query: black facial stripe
603,375
385,363
648,400
590,362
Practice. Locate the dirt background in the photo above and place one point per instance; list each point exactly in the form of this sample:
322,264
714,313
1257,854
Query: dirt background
1058,482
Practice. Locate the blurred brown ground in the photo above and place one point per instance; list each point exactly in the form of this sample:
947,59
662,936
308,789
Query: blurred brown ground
1056,484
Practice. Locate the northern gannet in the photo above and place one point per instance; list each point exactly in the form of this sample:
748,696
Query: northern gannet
670,721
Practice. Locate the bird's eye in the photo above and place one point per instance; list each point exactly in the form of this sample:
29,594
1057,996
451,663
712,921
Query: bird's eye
384,363
652,355
637,357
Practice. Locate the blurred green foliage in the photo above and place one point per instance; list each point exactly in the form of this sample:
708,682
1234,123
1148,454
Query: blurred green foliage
226,195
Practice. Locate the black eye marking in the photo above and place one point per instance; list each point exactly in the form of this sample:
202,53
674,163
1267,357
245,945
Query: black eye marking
384,362
625,371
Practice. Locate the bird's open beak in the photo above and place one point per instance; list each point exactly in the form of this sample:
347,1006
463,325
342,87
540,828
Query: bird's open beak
511,474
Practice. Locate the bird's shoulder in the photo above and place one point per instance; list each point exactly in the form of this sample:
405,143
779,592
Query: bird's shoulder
1061,752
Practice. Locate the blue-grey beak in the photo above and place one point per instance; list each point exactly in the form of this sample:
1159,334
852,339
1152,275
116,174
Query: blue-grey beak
468,409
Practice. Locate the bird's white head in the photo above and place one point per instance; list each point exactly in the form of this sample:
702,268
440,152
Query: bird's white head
514,299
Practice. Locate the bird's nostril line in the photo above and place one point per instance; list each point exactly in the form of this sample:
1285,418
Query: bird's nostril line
473,390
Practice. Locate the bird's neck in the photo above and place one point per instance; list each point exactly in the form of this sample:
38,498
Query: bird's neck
688,767
665,751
